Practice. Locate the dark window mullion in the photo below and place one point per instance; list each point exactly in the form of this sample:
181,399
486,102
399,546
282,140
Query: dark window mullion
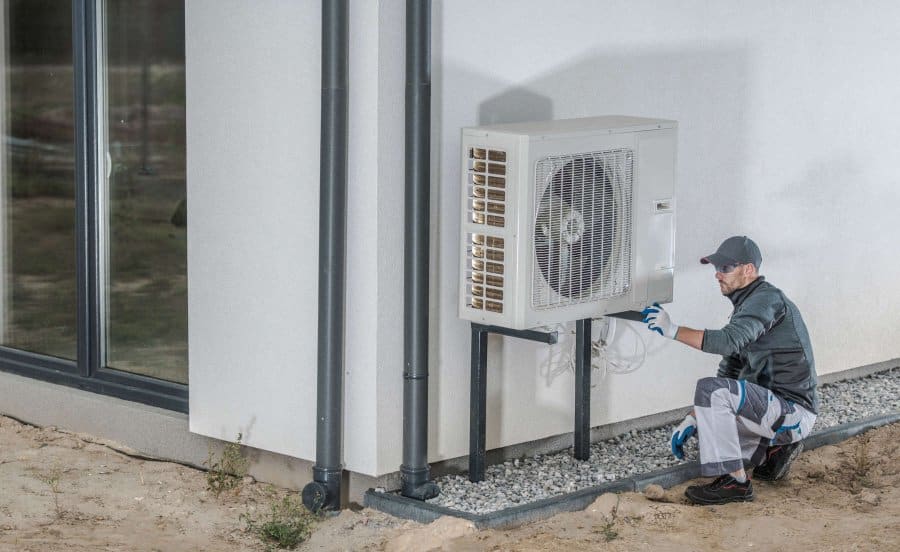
85,23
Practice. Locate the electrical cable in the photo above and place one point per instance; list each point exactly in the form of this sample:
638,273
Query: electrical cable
619,364
606,360
561,358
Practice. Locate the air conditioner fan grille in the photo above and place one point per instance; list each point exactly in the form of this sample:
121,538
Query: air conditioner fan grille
582,228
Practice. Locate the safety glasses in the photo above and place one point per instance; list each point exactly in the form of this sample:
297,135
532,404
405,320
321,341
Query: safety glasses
727,269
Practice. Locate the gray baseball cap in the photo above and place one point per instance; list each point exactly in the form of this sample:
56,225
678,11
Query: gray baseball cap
736,249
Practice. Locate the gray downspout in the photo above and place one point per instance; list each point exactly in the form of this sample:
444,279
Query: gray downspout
414,472
324,492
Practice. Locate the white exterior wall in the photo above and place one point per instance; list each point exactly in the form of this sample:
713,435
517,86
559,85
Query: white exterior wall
253,104
786,133
253,130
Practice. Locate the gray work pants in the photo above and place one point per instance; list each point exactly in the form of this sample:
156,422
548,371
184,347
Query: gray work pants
737,421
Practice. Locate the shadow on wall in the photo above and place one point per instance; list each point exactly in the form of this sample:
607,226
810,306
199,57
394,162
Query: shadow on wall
515,105
705,90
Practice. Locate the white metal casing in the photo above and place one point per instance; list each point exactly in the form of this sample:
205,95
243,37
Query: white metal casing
653,146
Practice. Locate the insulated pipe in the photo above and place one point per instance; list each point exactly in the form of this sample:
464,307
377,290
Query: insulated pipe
415,474
324,492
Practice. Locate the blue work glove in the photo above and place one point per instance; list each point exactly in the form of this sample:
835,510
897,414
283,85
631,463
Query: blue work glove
657,320
682,433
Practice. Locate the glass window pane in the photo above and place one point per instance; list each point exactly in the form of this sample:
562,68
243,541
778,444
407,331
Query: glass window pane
146,318
37,199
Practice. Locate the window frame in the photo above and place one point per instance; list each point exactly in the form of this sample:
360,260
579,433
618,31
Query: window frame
89,372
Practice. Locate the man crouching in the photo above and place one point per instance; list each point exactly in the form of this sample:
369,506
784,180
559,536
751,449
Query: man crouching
763,401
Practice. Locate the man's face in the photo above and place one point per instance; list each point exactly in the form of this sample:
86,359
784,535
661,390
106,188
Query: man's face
732,278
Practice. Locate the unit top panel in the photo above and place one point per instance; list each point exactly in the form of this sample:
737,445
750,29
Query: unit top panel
606,123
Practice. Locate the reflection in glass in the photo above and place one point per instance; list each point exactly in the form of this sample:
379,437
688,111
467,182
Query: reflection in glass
146,320
37,199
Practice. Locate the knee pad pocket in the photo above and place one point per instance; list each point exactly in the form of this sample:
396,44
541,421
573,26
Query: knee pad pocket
707,386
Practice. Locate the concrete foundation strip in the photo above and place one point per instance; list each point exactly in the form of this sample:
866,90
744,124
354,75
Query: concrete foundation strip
423,512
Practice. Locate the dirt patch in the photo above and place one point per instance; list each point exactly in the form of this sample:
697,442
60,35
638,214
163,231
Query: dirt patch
63,490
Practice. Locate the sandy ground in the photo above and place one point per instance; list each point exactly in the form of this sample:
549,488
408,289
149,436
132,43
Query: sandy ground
63,491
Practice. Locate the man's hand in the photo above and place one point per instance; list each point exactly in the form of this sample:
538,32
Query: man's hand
682,433
657,320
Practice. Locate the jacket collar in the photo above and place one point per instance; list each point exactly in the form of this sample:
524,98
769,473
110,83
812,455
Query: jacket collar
737,296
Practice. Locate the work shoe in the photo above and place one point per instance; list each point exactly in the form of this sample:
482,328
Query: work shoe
721,491
778,461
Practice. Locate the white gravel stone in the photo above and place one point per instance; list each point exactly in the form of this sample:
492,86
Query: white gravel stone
526,480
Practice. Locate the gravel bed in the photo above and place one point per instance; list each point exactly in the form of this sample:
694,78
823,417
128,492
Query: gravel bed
526,480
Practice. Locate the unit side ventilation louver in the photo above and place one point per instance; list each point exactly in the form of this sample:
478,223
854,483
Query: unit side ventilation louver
486,176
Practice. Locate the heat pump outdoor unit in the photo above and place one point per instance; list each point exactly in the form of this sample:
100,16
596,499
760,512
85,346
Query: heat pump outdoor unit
566,220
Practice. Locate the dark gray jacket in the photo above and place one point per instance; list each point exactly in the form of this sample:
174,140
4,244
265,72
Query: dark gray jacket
766,343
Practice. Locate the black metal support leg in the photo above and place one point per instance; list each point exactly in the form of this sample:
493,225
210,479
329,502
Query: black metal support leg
583,389
478,387
478,405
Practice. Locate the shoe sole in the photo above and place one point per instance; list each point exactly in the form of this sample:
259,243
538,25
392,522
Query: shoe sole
715,502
